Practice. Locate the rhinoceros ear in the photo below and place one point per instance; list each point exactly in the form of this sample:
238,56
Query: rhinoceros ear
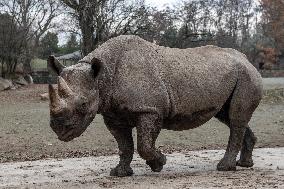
54,65
96,66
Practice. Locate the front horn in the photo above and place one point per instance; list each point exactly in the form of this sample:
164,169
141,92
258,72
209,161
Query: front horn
63,89
54,98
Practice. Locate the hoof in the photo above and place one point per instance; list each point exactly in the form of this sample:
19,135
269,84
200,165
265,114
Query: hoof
226,166
121,171
245,163
156,165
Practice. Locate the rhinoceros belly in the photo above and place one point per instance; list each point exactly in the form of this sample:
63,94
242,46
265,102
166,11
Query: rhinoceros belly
183,122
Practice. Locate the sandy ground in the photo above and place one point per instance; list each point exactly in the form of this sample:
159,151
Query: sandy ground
194,169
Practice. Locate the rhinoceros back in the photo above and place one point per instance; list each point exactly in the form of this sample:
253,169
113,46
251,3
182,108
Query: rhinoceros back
181,85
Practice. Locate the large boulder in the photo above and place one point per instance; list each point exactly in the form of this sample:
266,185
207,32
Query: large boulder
29,79
20,80
5,84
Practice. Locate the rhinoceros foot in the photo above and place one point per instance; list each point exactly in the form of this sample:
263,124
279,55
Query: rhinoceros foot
243,163
156,165
121,171
226,165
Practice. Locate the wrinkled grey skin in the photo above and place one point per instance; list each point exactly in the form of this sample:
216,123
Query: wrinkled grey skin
134,83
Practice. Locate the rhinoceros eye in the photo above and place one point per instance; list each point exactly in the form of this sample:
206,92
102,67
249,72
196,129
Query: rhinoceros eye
82,105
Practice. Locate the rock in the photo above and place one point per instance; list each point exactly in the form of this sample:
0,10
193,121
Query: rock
44,96
19,69
29,79
20,80
5,84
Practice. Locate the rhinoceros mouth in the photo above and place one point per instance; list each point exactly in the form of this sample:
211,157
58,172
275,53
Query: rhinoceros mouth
67,136
72,133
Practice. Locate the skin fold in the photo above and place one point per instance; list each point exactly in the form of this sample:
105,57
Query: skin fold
134,83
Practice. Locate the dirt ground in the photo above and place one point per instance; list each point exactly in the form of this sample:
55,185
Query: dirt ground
25,133
194,169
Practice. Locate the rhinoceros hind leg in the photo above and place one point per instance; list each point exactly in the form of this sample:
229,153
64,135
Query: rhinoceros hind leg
228,163
236,113
247,148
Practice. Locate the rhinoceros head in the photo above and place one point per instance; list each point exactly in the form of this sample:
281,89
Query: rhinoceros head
74,102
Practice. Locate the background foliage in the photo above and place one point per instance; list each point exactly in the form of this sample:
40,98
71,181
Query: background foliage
31,28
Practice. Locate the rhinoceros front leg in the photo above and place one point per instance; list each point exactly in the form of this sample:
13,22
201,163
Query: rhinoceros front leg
148,129
124,140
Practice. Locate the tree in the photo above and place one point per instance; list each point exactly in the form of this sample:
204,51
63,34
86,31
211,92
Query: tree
100,20
273,19
219,22
72,43
153,25
11,42
34,18
48,45
169,37
197,22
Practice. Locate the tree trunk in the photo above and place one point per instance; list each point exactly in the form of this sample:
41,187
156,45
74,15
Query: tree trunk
88,38
26,57
15,65
9,66
2,68
27,65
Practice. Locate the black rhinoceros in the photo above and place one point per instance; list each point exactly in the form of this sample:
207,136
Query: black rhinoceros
134,83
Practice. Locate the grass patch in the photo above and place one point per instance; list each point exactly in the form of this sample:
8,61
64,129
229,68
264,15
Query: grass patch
38,64
41,64
273,95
